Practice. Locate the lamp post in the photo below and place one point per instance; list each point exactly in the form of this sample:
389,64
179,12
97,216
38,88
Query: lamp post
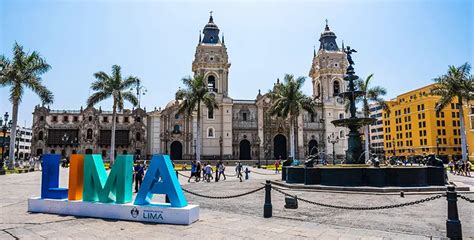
258,151
5,126
194,145
64,139
438,141
141,90
393,146
220,146
333,140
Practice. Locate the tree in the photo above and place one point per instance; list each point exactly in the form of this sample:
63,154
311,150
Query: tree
288,101
116,87
373,94
23,71
457,83
194,94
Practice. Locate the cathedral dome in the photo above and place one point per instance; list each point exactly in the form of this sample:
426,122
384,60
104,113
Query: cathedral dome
211,32
328,40
173,103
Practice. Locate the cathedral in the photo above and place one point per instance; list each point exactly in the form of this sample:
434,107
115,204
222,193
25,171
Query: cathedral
243,129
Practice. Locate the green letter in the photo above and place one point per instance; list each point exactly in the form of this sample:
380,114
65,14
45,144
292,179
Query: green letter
117,187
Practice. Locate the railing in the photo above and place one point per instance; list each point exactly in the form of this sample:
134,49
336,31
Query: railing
244,125
313,125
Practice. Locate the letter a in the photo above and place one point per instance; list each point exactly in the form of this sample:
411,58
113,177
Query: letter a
161,179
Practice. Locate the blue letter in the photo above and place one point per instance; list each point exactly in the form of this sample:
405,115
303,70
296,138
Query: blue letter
161,178
50,178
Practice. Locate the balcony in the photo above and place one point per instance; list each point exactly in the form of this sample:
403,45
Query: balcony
244,125
313,126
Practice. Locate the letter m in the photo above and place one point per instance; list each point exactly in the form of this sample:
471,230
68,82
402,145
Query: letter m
117,187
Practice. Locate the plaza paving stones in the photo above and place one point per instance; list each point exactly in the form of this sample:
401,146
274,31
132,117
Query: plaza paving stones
241,218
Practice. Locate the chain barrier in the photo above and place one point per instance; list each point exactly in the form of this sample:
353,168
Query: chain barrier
224,197
182,174
466,198
362,208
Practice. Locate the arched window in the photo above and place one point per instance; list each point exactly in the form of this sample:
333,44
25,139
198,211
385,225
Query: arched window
176,128
210,132
210,113
90,118
318,90
138,136
89,134
313,117
211,83
176,116
40,135
342,134
336,88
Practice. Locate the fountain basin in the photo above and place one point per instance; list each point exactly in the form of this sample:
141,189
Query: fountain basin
358,122
367,176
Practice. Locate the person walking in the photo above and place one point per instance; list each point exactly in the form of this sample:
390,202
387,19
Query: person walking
193,170
468,168
217,171
198,171
221,170
238,170
451,166
138,172
208,172
277,165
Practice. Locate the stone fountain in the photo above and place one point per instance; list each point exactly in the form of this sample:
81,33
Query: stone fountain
354,153
375,178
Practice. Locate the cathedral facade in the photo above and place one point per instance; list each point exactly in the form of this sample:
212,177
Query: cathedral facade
244,129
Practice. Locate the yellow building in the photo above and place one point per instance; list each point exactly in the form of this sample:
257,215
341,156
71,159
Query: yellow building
414,128
469,121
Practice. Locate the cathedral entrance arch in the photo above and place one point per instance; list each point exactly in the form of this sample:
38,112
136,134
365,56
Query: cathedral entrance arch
279,147
176,151
312,147
245,150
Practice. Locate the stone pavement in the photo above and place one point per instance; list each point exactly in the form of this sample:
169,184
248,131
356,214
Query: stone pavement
239,218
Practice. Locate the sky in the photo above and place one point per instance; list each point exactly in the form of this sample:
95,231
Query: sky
405,44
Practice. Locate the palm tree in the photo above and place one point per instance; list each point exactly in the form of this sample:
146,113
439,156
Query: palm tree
196,92
116,87
373,94
288,101
23,71
457,83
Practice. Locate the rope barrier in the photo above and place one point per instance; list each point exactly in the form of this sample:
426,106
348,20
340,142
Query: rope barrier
268,174
224,197
362,208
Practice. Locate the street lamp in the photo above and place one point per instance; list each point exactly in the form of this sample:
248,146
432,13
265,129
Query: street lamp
220,146
141,90
194,145
393,146
65,138
333,140
258,151
438,141
5,126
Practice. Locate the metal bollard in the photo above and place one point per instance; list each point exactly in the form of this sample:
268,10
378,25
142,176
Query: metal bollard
267,207
453,224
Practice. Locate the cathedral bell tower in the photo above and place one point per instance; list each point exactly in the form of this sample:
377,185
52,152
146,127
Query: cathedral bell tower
212,62
211,59
327,73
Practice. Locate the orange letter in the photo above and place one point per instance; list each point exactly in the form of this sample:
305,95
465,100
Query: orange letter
76,177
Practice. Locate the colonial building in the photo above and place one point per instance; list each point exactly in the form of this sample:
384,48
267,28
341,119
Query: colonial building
243,129
88,131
